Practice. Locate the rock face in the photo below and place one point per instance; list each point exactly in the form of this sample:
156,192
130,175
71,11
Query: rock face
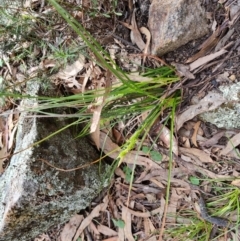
174,23
9,7
228,114
35,196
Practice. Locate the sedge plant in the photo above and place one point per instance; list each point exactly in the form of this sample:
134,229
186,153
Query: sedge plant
138,96
191,226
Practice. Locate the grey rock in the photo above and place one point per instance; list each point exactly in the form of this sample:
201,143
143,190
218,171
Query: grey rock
8,8
173,23
228,114
35,196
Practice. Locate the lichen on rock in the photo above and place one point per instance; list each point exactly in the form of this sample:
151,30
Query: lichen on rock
228,114
35,196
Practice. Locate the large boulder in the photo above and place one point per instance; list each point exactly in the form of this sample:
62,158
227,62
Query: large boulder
35,196
173,23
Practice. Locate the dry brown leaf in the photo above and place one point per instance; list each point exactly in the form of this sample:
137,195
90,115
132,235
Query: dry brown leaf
71,70
20,77
144,115
139,196
192,168
146,226
113,150
232,45
159,177
203,60
152,238
106,230
68,75
95,213
214,140
210,102
151,226
112,205
200,131
201,138
6,61
146,32
234,154
186,142
189,125
112,239
147,214
4,133
179,182
214,25
95,126
100,101
48,63
234,12
183,70
210,43
165,137
12,128
172,207
43,237
119,172
118,136
157,183
159,173
198,156
186,158
232,143
150,197
136,37
86,76
7,132
236,182
70,228
223,78
223,41
184,133
164,134
146,189
142,175
197,207
93,229
108,146
127,218
137,77
194,136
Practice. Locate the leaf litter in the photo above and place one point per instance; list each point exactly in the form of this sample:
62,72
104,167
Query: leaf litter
156,175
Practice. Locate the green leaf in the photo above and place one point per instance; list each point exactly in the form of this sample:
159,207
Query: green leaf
145,149
156,156
194,180
106,15
128,172
118,14
118,223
